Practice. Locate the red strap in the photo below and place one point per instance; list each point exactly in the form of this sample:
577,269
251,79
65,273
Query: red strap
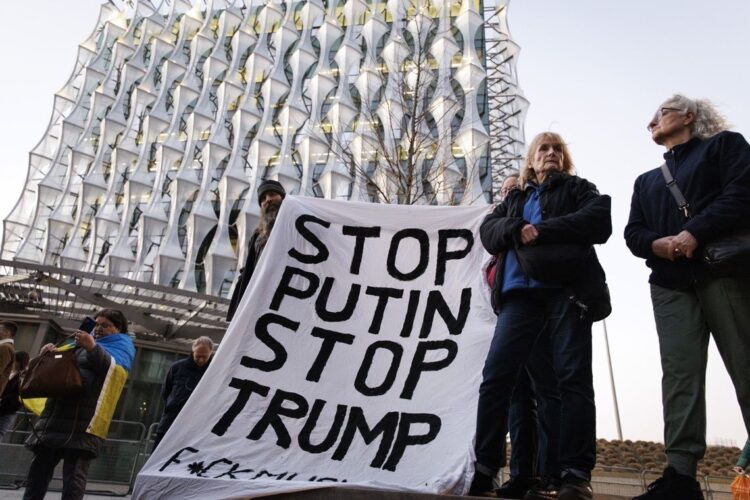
492,272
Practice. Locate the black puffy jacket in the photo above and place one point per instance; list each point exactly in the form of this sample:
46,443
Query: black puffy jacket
9,402
64,421
573,211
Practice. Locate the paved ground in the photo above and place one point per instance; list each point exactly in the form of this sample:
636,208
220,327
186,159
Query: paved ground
52,495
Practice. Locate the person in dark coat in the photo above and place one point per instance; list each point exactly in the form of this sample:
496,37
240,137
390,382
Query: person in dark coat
181,380
692,302
553,209
9,401
270,195
72,429
7,351
534,441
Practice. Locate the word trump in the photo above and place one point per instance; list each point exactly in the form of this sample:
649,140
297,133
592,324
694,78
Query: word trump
300,315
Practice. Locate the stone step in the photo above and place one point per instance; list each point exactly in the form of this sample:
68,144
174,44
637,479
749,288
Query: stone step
339,493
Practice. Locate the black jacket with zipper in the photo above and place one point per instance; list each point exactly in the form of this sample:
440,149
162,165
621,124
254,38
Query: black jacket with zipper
714,176
65,420
181,380
254,249
573,211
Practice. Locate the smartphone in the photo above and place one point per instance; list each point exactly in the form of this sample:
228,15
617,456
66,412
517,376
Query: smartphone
87,325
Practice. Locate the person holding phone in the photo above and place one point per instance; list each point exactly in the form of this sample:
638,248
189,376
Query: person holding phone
73,429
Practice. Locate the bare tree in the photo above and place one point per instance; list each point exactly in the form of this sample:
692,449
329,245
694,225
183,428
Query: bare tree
397,144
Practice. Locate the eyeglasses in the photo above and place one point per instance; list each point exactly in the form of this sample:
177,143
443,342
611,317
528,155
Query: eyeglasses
664,110
104,325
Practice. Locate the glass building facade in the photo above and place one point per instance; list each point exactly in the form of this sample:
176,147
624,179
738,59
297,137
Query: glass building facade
175,111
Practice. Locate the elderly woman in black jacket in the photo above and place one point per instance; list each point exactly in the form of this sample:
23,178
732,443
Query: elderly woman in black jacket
549,289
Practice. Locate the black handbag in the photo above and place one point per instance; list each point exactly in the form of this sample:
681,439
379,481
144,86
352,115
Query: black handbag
51,375
554,263
730,252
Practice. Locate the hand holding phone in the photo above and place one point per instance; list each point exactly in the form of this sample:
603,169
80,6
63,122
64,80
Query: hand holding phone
87,325
85,340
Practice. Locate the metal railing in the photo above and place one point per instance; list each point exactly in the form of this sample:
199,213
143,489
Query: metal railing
629,482
148,446
114,471
129,445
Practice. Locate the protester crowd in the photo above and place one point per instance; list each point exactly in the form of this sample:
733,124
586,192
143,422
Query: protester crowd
689,220
547,288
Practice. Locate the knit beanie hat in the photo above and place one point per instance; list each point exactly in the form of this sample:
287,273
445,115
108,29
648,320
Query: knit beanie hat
270,185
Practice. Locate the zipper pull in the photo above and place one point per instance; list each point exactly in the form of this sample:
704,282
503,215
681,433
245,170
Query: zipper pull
583,307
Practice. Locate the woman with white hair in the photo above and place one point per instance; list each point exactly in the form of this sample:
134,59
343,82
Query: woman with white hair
710,166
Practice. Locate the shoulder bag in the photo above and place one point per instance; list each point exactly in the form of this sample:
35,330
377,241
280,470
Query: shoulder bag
53,374
730,252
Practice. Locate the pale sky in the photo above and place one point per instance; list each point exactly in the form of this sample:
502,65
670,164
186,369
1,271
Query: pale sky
594,71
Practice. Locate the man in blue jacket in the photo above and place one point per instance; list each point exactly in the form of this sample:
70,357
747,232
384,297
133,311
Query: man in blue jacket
181,380
711,167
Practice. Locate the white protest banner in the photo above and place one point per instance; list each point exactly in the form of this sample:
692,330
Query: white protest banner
355,358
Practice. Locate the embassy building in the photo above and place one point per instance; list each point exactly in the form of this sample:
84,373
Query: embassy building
141,193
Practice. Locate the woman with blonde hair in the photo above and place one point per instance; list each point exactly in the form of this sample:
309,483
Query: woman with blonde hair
548,290
546,140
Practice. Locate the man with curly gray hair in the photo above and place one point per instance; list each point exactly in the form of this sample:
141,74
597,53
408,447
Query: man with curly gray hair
711,167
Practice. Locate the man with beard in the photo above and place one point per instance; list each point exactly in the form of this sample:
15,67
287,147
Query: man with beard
270,195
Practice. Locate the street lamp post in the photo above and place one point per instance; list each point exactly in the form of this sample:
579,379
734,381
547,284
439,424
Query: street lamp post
612,382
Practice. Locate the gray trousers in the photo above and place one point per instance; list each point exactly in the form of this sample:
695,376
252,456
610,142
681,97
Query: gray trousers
684,320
